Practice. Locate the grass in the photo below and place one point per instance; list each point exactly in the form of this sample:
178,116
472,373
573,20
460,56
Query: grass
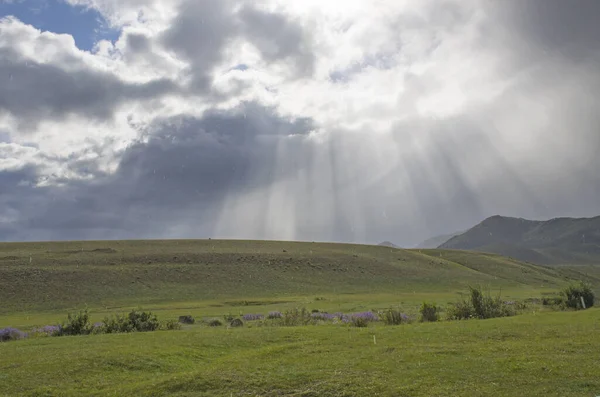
539,353
550,354
54,276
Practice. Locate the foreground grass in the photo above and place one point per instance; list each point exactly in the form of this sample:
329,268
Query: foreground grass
548,354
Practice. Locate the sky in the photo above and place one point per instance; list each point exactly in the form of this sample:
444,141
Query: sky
316,120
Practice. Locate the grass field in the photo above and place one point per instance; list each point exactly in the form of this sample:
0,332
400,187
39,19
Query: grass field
550,354
540,352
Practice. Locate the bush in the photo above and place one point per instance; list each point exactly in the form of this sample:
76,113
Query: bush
553,301
461,310
186,319
429,312
296,317
236,323
479,305
574,293
172,325
359,322
77,324
393,317
135,321
215,322
8,334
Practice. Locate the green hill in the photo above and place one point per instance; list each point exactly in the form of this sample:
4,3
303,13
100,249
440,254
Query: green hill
42,276
557,241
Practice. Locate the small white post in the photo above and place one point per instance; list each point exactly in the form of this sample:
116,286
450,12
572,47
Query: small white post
582,302
374,340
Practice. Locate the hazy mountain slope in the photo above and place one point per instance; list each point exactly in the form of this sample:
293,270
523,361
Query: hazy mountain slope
560,240
436,241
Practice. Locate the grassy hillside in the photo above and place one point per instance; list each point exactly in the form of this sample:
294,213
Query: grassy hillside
49,276
547,354
536,353
557,241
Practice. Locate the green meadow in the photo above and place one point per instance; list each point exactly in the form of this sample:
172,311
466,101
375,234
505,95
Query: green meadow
538,352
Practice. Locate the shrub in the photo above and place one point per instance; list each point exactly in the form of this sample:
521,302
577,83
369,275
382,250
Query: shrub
186,319
215,322
393,317
479,305
429,312
172,325
553,301
77,324
135,321
296,316
574,293
461,310
236,323
274,315
359,322
8,334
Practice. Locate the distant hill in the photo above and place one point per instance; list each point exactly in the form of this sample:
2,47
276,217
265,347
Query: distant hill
436,241
388,244
557,241
61,275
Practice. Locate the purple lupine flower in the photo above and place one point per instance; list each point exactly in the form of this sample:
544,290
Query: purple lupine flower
368,316
49,330
274,315
98,325
344,318
9,333
323,316
252,317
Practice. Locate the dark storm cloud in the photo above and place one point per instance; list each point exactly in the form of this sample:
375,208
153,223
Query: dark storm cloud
567,28
33,92
178,174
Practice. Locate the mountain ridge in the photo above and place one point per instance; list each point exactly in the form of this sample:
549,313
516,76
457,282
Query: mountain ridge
561,240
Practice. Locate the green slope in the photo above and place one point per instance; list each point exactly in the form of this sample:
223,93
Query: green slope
557,241
42,276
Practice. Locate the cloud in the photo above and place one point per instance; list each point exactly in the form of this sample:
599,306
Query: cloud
178,172
278,38
34,90
354,123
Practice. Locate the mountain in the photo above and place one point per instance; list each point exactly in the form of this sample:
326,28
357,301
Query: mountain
388,244
557,241
436,241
